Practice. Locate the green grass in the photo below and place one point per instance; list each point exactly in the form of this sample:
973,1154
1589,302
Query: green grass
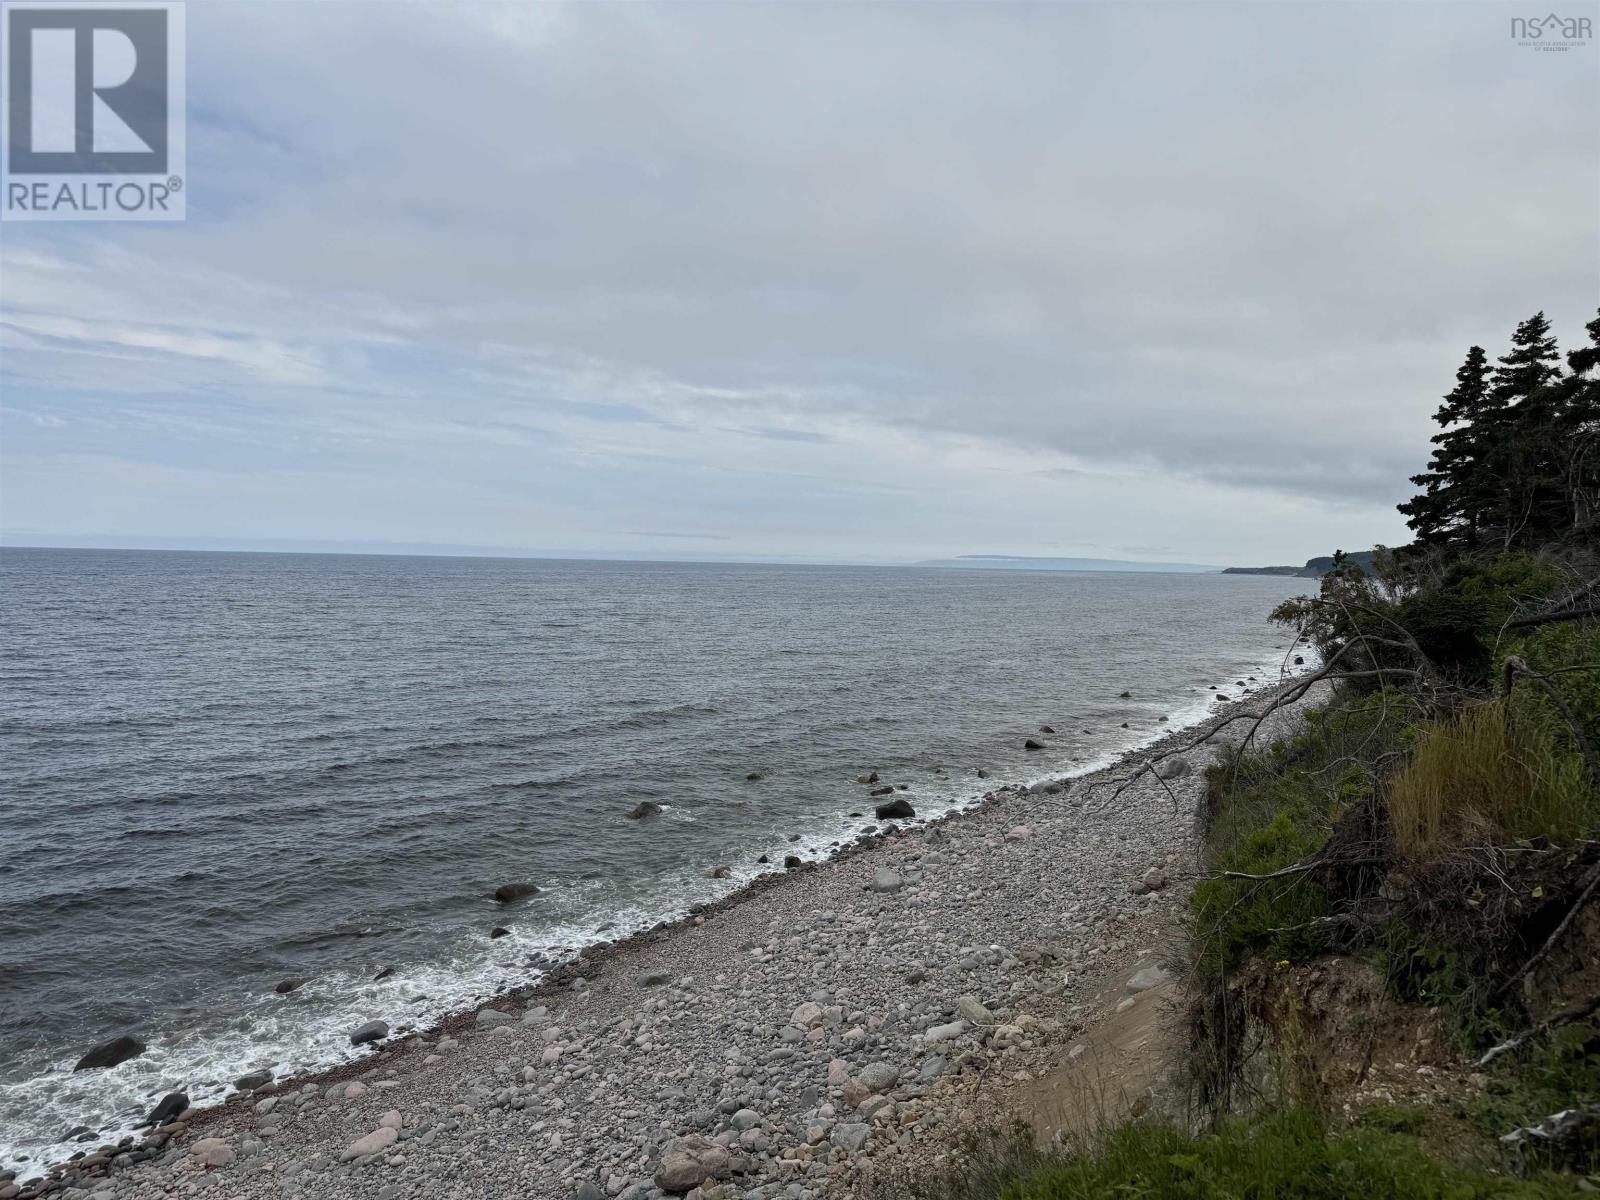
1288,1156
1560,1072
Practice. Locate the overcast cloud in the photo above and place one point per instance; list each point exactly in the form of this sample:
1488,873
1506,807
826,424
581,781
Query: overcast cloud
824,281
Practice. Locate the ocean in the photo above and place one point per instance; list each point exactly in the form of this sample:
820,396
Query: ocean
223,770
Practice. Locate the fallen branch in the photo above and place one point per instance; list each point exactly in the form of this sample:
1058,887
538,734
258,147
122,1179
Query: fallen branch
1565,1017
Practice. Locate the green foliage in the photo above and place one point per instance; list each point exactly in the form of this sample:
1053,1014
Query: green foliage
1562,1071
1288,1156
1515,462
1274,808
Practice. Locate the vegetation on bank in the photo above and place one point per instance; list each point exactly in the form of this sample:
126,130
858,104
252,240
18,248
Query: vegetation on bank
1433,829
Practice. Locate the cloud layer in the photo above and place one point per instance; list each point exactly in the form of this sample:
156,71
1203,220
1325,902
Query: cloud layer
819,281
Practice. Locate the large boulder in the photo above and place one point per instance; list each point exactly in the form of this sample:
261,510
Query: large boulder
254,1080
643,809
507,892
109,1054
285,986
1172,768
1030,744
899,807
172,1105
372,1031
689,1162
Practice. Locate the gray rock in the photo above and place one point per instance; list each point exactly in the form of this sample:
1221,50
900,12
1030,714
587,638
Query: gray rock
879,1076
507,892
850,1137
110,1054
969,1008
886,880
889,810
490,1018
372,1031
1172,768
689,1162
375,1142
252,1081
1148,977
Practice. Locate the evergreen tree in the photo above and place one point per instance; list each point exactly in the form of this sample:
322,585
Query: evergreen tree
1449,504
1517,460
1518,449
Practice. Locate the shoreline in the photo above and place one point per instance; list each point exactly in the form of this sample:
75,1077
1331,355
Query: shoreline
603,961
597,954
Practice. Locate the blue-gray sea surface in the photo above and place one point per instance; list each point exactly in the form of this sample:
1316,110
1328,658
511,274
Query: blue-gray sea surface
221,770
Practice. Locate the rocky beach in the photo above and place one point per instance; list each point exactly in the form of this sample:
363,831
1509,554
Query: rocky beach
816,1034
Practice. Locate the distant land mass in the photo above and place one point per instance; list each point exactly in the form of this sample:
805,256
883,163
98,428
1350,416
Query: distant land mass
1315,568
1009,562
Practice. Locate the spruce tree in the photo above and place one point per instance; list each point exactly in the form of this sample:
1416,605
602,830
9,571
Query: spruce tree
1448,506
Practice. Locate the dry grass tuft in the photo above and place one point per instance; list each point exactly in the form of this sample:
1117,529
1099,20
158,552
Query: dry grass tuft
1479,775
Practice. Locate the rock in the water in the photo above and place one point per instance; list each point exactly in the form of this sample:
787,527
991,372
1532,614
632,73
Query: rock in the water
1220,696
499,931
285,986
1030,744
1172,768
376,1142
109,1054
898,807
1148,977
791,861
1125,695
172,1104
252,1081
885,880
689,1162
383,974
753,776
643,809
1047,729
1299,660
507,892
719,872
869,777
372,1031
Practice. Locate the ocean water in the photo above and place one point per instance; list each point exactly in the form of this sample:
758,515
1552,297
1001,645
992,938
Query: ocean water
221,770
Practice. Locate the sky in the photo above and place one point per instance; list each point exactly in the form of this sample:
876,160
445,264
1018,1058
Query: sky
837,282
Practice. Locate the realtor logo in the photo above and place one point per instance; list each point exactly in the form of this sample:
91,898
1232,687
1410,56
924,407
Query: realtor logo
94,111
